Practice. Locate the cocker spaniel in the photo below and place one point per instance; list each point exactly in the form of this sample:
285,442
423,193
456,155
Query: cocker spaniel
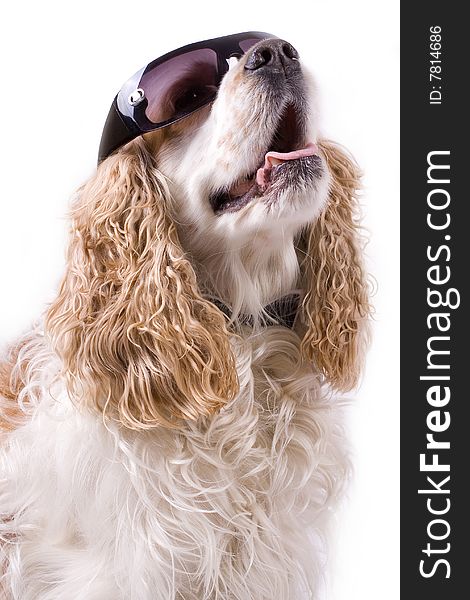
170,429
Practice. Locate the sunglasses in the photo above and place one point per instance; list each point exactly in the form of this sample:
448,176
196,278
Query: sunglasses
172,87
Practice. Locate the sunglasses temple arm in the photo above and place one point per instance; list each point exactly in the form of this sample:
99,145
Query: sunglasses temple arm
116,133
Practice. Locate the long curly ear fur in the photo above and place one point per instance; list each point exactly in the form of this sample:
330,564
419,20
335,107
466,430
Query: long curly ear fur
336,305
137,340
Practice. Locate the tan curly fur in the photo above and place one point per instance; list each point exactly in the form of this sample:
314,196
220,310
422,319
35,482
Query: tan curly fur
10,386
137,340
336,305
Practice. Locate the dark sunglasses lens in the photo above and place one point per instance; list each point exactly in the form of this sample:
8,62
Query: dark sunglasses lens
245,45
180,85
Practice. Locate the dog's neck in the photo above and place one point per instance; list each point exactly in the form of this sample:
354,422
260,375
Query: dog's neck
282,311
251,277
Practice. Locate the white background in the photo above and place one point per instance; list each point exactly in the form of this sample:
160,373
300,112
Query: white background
61,65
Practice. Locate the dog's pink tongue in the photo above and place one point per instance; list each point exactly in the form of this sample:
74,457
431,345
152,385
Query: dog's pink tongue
276,158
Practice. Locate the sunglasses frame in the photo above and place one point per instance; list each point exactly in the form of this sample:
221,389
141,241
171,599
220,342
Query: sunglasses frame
128,120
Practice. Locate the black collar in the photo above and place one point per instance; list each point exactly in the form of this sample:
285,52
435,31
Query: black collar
280,312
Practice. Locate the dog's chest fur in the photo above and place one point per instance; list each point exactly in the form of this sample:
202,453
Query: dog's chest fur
226,509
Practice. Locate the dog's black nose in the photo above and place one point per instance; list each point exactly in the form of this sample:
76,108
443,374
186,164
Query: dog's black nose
273,54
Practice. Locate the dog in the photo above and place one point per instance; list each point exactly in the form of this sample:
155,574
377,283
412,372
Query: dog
170,429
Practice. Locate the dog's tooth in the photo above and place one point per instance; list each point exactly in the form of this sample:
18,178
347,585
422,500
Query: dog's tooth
274,161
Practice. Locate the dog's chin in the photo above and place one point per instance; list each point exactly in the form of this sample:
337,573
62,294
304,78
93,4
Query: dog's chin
288,165
274,180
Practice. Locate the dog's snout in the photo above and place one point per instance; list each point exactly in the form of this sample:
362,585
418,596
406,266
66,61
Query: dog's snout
273,54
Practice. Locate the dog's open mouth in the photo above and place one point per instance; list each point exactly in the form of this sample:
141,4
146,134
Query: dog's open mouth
287,148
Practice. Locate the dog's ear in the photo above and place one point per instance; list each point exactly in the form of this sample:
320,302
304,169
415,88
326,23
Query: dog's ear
336,305
137,340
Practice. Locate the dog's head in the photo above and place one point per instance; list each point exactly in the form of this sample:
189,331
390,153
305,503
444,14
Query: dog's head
247,166
241,200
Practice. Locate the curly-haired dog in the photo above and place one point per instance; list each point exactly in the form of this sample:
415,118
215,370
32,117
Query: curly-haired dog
169,431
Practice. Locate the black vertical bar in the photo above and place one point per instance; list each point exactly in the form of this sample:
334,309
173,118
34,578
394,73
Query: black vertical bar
434,260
